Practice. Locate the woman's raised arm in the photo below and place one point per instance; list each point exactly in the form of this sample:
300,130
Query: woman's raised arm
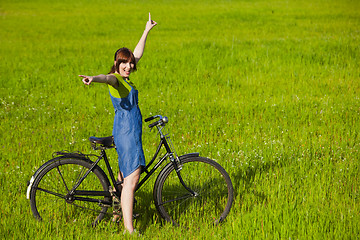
139,49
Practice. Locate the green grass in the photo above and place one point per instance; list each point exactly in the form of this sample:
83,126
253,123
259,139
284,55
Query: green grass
269,89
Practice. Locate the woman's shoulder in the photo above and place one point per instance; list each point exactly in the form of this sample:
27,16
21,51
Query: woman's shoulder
123,88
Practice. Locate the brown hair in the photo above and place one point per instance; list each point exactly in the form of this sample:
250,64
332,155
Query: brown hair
123,55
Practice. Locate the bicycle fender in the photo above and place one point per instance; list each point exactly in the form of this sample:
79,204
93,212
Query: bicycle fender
182,157
33,177
188,155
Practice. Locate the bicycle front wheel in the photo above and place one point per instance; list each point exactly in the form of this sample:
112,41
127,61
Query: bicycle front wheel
210,201
50,197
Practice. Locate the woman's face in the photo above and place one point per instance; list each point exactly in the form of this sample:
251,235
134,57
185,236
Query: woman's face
125,69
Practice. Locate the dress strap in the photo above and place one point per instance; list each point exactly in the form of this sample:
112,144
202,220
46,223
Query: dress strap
123,90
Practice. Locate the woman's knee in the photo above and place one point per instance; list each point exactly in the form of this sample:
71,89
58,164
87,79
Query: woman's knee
132,180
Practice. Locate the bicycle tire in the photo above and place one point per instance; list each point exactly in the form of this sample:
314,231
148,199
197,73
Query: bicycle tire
211,183
52,184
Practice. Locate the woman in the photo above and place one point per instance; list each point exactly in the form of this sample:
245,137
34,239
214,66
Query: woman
127,128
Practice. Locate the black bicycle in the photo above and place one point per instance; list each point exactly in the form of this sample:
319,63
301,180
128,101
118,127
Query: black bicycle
188,188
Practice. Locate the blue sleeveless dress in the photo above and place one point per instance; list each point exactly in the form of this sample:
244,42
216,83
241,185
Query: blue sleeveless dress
127,129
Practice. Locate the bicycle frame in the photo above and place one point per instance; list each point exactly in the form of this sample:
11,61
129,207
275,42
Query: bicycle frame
170,153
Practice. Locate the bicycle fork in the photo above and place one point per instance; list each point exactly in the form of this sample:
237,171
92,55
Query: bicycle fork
176,162
194,194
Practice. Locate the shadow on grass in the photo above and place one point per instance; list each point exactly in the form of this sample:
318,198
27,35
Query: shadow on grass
244,182
145,210
210,193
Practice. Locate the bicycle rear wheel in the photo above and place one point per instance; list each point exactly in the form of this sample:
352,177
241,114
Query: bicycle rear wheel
210,182
49,195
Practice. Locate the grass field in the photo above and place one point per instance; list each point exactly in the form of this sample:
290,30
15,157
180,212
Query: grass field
269,89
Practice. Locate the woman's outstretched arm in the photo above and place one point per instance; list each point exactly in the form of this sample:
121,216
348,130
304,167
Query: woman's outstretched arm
108,79
139,49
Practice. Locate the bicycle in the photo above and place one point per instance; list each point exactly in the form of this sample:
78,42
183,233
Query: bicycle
188,187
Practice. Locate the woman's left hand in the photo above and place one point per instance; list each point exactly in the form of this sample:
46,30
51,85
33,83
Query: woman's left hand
150,24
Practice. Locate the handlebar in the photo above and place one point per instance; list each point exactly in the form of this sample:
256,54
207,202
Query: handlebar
162,121
151,118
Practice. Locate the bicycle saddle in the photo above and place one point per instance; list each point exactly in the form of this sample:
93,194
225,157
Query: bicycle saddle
106,142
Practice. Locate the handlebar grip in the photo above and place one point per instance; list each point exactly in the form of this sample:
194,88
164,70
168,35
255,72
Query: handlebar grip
154,124
150,118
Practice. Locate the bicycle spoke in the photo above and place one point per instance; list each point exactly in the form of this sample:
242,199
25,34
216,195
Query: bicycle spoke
52,193
91,210
177,199
63,180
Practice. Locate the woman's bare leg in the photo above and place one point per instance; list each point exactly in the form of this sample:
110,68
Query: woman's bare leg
127,199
